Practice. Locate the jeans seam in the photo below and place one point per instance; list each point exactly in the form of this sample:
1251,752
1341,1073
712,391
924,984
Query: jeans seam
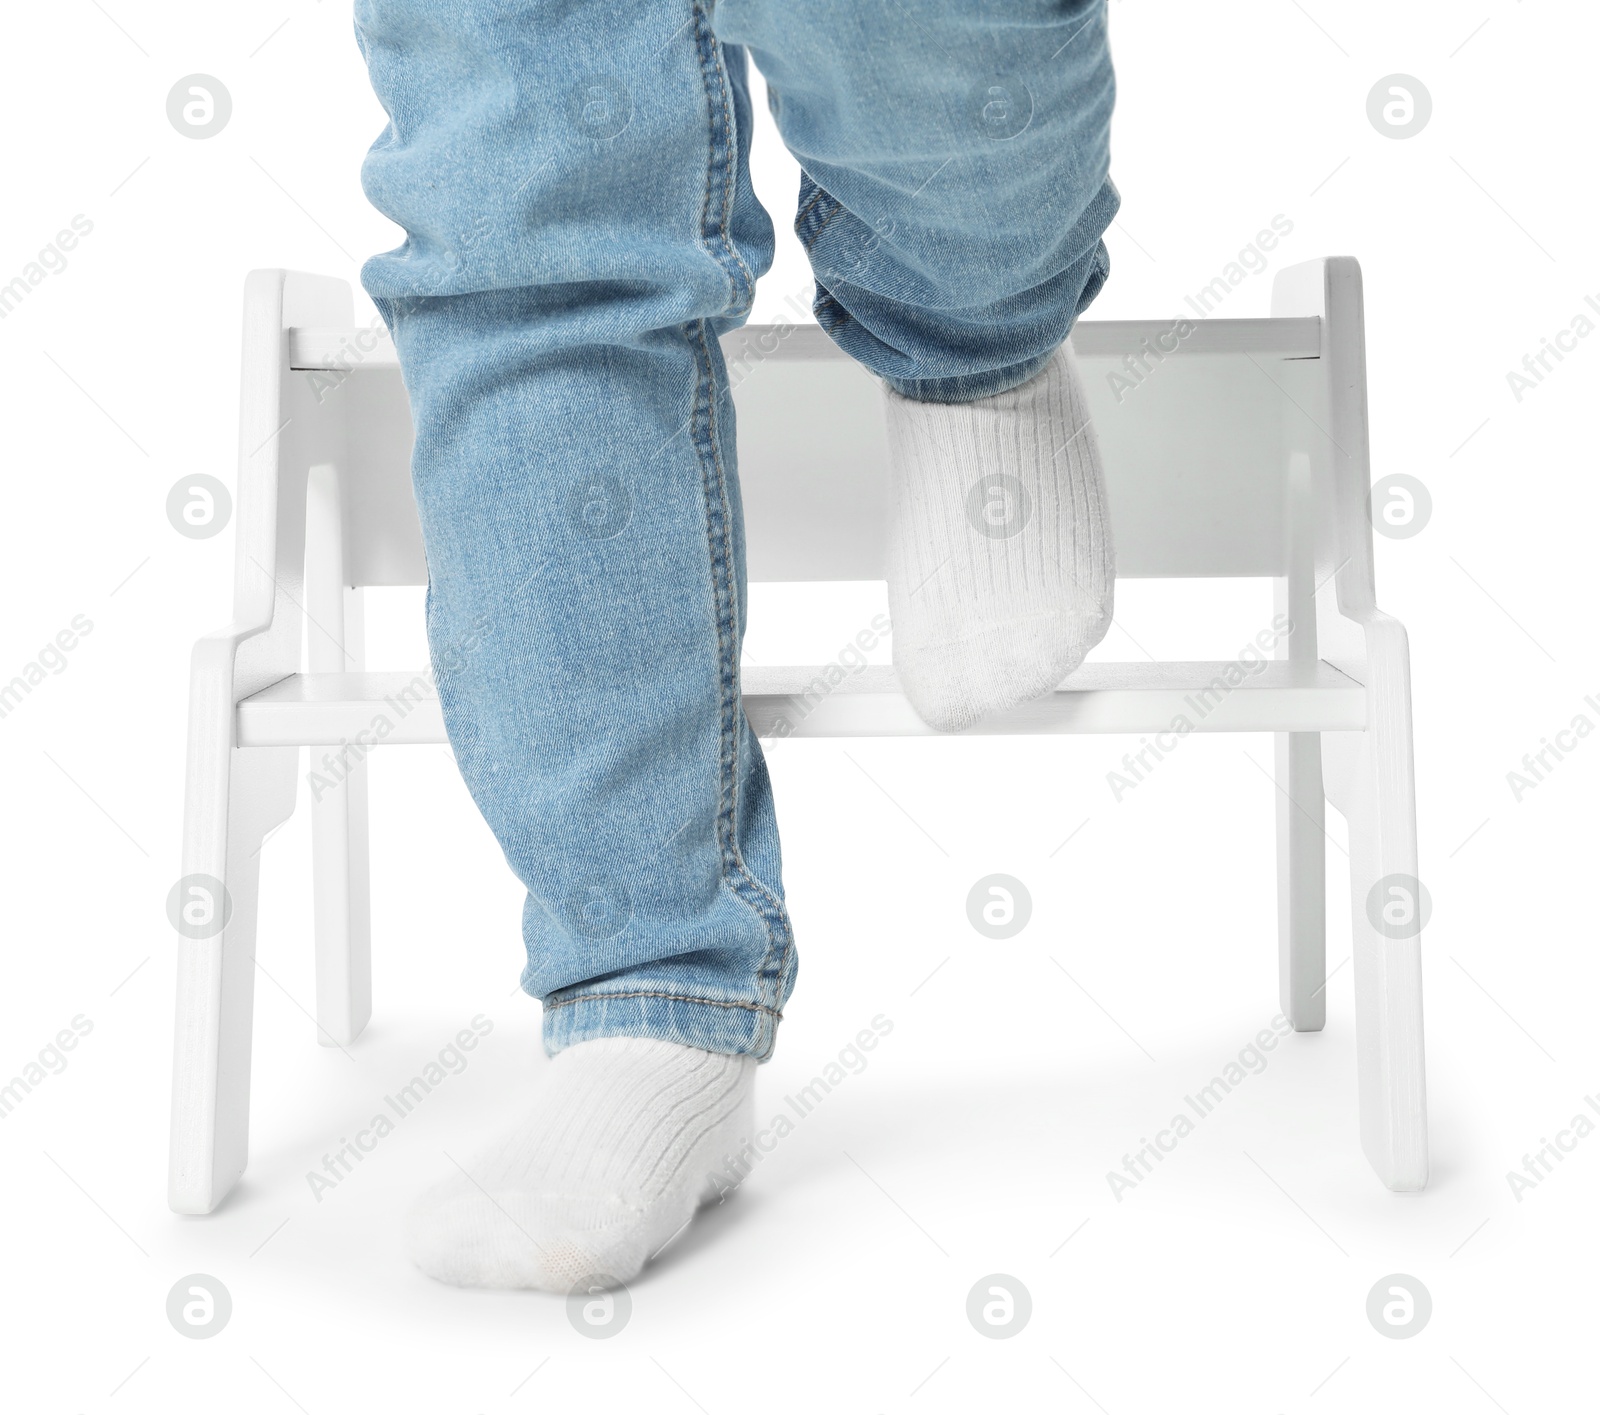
723,154
828,206
669,996
815,197
736,874
740,880
832,207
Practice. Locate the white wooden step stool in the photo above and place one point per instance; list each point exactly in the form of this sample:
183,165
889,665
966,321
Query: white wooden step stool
1242,452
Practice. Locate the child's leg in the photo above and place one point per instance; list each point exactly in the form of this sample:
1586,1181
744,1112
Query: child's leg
956,189
580,227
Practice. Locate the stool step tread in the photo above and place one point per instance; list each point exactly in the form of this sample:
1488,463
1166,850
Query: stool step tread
831,700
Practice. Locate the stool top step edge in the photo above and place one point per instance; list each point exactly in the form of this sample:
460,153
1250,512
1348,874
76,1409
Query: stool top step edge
369,346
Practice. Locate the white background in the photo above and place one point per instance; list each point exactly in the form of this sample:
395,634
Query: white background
978,1139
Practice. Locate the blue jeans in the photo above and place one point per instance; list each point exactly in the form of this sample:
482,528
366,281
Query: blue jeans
580,227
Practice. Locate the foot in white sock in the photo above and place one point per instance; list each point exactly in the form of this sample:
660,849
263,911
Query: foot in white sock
610,1165
1000,567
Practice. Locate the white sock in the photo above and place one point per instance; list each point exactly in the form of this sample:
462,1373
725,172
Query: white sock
1001,566
610,1165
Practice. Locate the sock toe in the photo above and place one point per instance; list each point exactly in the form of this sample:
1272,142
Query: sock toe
609,1168
511,1240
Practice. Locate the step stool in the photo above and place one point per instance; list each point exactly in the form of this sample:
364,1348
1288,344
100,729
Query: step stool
1232,447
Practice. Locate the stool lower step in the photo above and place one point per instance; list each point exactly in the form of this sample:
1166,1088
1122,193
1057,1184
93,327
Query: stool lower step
329,709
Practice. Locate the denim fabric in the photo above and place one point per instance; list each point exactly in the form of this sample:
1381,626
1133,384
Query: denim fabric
580,226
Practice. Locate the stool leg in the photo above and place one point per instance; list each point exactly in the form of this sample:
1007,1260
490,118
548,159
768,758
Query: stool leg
342,895
1388,970
1302,881
342,910
216,982
1370,779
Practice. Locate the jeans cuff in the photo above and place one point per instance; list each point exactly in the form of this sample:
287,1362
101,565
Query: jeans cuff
733,1028
966,387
